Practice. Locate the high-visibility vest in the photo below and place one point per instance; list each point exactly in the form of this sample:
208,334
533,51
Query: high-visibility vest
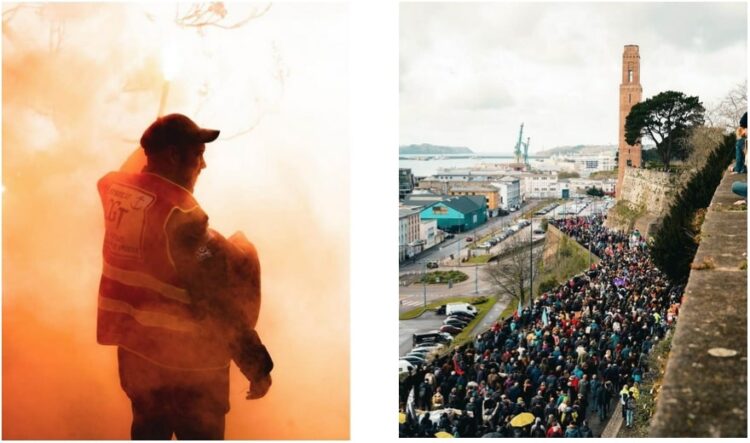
144,305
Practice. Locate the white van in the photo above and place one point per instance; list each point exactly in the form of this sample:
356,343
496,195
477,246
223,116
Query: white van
404,366
451,308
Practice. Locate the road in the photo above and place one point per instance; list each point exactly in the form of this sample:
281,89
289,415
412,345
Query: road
413,296
458,244
406,328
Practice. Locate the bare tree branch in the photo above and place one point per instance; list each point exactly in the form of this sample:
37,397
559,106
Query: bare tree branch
511,274
201,15
727,112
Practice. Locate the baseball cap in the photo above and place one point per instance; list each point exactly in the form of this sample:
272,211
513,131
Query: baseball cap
175,129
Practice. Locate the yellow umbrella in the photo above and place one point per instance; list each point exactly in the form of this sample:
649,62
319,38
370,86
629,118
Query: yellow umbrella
401,418
442,434
522,419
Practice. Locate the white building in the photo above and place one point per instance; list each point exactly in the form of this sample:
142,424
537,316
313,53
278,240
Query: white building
540,186
509,189
469,175
587,164
429,233
408,232
582,164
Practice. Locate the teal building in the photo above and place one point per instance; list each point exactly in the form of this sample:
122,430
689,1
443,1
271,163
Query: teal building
457,214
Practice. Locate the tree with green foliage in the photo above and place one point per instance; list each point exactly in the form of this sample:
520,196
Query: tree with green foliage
675,243
594,191
666,119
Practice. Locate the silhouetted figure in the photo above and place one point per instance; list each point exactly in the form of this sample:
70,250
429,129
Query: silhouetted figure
177,299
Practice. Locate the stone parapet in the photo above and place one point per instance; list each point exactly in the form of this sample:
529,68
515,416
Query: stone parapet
704,391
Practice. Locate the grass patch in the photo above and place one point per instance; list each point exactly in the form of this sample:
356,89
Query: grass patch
482,310
480,259
626,213
571,259
649,388
443,277
599,175
416,312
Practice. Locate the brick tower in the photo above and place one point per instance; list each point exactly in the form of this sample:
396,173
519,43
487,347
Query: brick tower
630,94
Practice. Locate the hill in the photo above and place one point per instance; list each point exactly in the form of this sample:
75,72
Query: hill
577,149
426,148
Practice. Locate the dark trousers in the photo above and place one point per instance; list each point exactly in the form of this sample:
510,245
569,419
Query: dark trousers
191,405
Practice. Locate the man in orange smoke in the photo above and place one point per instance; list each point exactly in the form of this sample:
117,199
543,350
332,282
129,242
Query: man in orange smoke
177,299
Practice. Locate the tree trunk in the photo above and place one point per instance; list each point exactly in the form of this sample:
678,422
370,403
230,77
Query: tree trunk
667,153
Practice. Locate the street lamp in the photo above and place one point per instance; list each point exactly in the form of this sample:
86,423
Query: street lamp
424,284
476,279
531,259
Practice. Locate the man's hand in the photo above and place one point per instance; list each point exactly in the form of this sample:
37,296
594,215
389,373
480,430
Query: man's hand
259,388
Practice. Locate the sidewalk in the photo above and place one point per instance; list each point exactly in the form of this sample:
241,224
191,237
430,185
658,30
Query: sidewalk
489,319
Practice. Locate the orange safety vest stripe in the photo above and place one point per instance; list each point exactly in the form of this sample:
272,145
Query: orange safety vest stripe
146,281
152,319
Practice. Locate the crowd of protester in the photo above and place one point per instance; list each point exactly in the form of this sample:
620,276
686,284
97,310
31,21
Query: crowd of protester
569,357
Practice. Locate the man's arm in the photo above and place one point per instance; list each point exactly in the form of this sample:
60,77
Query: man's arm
224,286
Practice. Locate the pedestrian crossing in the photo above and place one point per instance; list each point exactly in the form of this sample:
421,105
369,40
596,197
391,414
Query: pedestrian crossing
412,303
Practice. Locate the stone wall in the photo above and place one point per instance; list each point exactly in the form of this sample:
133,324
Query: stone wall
647,192
704,390
652,189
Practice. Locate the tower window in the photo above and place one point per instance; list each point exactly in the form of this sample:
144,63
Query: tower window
630,76
629,97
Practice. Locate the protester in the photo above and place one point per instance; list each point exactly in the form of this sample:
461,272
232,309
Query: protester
576,346
630,410
739,187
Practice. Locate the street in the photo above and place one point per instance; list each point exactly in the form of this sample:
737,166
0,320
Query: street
459,245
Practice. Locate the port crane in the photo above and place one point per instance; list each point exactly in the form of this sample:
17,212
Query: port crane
521,145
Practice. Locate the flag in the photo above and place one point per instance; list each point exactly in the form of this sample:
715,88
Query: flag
545,320
517,315
456,365
410,412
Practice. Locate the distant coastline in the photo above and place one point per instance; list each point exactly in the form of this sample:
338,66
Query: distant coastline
428,149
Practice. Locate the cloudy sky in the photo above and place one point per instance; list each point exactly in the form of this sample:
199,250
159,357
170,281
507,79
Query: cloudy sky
470,74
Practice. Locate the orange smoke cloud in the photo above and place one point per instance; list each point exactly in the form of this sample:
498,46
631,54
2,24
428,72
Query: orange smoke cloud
76,97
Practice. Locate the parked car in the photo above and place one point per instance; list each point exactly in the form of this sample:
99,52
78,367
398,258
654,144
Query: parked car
432,264
430,337
484,245
440,310
462,319
433,347
446,337
460,307
455,322
427,356
404,366
453,330
469,239
463,315
414,359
